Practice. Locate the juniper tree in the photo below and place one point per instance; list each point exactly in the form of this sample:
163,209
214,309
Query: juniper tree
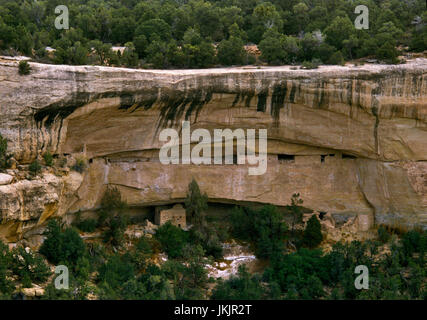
196,204
313,233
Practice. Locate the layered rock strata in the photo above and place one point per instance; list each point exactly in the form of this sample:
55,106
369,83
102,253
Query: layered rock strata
351,140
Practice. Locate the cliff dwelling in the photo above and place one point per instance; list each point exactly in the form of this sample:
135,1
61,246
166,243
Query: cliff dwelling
293,133
176,215
122,141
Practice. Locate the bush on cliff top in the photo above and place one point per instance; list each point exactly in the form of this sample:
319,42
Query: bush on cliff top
24,68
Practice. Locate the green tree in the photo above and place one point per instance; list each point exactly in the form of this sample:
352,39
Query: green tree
154,29
242,223
231,51
35,167
4,156
194,278
196,204
142,252
231,16
192,37
301,12
271,231
277,48
62,246
52,246
419,33
265,17
7,35
88,225
103,50
29,267
207,19
388,53
163,55
388,33
113,216
130,56
240,287
78,54
66,53
235,31
383,234
349,45
339,30
324,53
23,41
172,239
48,159
313,232
336,58
6,285
309,46
271,47
116,271
264,227
123,27
141,43
72,246
300,274
197,53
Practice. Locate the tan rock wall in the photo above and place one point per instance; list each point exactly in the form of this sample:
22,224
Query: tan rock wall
113,117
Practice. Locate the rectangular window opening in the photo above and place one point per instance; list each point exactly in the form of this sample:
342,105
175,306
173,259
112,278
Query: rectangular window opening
286,157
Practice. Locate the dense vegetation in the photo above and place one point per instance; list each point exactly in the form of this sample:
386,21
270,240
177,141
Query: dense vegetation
203,33
311,274
296,267
25,266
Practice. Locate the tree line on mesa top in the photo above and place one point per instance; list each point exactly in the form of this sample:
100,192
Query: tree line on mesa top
207,33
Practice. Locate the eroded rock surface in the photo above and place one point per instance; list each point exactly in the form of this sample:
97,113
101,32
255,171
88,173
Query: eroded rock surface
355,138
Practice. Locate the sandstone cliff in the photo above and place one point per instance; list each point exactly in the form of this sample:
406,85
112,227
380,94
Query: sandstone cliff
351,140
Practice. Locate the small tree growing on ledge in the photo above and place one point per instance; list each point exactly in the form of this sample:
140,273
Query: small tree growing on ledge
48,159
4,157
112,216
35,167
24,68
202,233
80,165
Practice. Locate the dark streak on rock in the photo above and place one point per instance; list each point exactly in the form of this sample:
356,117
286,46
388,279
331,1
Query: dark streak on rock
278,101
236,100
292,93
262,101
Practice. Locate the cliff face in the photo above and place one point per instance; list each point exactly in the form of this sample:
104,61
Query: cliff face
355,138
